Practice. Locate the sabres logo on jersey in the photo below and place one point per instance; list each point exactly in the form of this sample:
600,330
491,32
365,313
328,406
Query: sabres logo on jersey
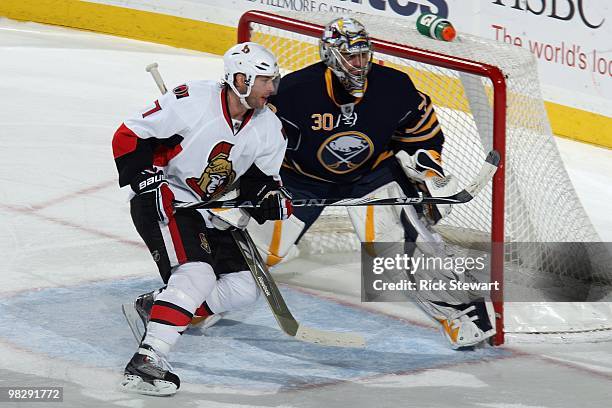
345,151
217,175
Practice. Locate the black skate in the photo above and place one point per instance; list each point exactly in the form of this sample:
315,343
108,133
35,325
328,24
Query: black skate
149,373
137,313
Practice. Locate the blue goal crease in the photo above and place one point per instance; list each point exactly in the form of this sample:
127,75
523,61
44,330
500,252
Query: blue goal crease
84,325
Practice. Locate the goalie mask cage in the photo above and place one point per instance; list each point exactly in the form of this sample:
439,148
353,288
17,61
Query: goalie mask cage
487,96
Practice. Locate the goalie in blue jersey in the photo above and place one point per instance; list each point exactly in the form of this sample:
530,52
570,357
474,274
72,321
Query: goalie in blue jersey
358,129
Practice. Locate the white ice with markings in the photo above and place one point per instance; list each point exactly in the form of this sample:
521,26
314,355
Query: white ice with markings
71,256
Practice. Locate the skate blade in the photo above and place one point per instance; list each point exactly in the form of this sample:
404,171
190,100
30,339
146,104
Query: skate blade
134,384
134,321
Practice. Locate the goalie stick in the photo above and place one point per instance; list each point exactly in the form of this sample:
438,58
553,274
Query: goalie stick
486,173
279,309
266,283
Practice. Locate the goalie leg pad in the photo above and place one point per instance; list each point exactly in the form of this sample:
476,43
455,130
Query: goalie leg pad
225,218
276,239
428,241
379,223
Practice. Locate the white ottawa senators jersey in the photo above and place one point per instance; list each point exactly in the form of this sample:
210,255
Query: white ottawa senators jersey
190,134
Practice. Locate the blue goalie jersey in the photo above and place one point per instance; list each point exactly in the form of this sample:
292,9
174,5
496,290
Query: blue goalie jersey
336,138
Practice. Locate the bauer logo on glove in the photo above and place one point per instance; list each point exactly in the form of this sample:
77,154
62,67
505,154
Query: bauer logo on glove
154,179
153,195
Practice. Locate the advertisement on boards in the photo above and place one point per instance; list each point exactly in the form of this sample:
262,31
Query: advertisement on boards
570,39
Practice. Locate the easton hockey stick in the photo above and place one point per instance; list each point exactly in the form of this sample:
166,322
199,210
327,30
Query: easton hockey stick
275,300
486,173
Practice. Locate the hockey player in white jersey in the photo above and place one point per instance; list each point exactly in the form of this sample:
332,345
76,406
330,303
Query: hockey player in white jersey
197,143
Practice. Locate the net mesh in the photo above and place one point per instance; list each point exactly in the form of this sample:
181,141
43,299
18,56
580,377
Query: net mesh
540,202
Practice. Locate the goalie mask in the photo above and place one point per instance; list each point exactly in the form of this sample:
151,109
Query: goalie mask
252,60
346,49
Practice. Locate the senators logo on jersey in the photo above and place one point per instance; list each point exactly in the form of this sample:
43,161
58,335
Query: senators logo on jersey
345,151
217,175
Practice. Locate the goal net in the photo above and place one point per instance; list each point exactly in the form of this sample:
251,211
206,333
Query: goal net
486,95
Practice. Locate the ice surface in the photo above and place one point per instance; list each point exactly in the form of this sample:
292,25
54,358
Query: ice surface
71,256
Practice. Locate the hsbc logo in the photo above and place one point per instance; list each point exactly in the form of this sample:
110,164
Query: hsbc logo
564,10
408,8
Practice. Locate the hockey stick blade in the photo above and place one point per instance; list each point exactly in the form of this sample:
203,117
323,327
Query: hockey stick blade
326,338
277,304
485,174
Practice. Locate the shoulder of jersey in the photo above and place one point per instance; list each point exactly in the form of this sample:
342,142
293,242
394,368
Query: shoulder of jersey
191,98
268,115
388,74
195,89
303,77
182,95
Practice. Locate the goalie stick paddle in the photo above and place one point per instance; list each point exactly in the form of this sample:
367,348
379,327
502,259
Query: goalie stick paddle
486,173
277,304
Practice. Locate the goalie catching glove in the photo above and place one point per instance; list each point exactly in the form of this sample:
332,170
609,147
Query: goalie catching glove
424,168
273,201
153,195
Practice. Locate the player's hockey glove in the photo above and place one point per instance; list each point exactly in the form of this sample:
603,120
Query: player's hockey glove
424,168
274,203
153,196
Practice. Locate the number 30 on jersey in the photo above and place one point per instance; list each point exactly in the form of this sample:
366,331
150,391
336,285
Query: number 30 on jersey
323,121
